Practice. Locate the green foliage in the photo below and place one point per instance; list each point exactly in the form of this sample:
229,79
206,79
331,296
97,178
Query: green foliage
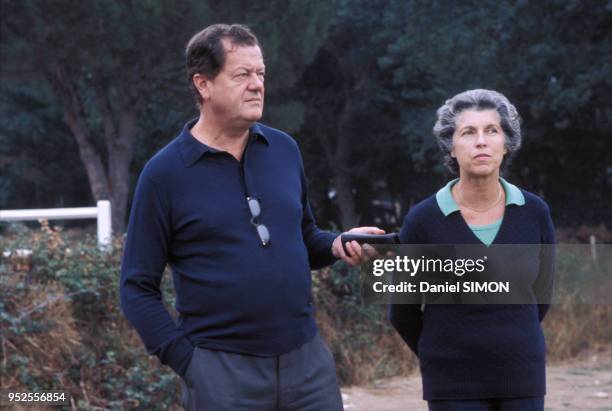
64,297
364,344
36,151
110,76
63,328
552,60
555,69
388,64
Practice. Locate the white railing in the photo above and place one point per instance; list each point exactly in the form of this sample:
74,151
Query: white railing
102,212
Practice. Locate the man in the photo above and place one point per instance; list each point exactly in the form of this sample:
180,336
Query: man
225,205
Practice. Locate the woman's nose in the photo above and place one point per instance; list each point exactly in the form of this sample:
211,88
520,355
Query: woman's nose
480,139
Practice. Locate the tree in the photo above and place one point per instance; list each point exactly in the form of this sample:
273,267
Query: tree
113,65
102,72
32,163
348,108
550,59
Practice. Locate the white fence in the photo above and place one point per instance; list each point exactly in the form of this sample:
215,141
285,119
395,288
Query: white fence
102,212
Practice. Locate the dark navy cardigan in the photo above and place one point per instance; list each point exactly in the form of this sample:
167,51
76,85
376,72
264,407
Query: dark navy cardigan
481,351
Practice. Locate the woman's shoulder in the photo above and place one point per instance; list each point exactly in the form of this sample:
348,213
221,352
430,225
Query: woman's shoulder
418,216
424,208
535,202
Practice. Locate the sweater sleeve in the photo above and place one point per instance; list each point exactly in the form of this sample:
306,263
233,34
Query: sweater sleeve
543,286
407,319
144,260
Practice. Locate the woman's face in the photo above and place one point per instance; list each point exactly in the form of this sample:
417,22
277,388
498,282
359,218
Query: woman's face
479,142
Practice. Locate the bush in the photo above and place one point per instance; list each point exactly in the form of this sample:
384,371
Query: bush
62,328
364,344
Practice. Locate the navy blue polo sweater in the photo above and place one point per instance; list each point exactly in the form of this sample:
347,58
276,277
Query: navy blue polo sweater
481,351
232,294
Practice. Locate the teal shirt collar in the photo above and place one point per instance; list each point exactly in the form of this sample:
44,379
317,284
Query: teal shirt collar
448,205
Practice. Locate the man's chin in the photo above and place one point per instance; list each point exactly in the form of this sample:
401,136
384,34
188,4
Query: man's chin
254,116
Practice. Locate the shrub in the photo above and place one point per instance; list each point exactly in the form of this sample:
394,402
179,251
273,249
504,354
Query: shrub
62,328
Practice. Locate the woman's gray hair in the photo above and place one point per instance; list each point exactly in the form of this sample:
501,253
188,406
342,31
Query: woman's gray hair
478,99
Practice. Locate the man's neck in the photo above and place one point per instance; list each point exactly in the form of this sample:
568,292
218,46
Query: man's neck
221,137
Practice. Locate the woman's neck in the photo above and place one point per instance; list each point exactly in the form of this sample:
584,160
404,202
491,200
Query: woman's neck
478,192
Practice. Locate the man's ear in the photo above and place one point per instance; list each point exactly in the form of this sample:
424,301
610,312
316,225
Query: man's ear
202,84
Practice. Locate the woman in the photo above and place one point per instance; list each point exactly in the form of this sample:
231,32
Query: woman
480,357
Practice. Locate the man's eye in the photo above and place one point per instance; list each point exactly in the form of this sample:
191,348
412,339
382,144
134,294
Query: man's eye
242,75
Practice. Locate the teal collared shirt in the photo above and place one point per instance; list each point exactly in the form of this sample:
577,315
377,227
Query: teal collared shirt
486,233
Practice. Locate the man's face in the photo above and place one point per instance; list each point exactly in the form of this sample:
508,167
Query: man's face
236,95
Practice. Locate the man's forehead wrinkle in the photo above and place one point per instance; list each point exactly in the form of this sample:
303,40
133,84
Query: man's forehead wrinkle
248,66
246,62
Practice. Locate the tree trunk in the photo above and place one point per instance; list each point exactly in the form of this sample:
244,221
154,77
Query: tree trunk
112,184
74,116
119,159
345,199
341,168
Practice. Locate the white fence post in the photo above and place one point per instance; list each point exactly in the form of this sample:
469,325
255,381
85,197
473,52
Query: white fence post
104,222
102,213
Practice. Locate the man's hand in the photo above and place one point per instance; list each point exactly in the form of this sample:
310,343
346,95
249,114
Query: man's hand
354,256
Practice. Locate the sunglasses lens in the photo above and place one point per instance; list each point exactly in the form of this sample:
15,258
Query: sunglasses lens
254,207
264,234
262,230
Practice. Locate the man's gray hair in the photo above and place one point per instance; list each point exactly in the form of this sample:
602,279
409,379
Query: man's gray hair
478,99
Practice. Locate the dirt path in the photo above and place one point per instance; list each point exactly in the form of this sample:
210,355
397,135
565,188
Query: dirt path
578,385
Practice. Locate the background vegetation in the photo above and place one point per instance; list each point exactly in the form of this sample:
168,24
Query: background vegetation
62,327
90,90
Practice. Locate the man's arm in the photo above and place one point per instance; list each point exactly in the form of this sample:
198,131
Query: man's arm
144,260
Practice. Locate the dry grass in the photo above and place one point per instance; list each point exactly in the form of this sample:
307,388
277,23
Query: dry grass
64,330
572,329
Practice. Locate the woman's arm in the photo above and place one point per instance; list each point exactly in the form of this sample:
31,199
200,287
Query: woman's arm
407,319
543,286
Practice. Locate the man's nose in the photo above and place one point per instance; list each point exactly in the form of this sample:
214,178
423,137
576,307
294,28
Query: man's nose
256,83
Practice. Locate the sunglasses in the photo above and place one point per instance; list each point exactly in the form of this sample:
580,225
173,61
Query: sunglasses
262,230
